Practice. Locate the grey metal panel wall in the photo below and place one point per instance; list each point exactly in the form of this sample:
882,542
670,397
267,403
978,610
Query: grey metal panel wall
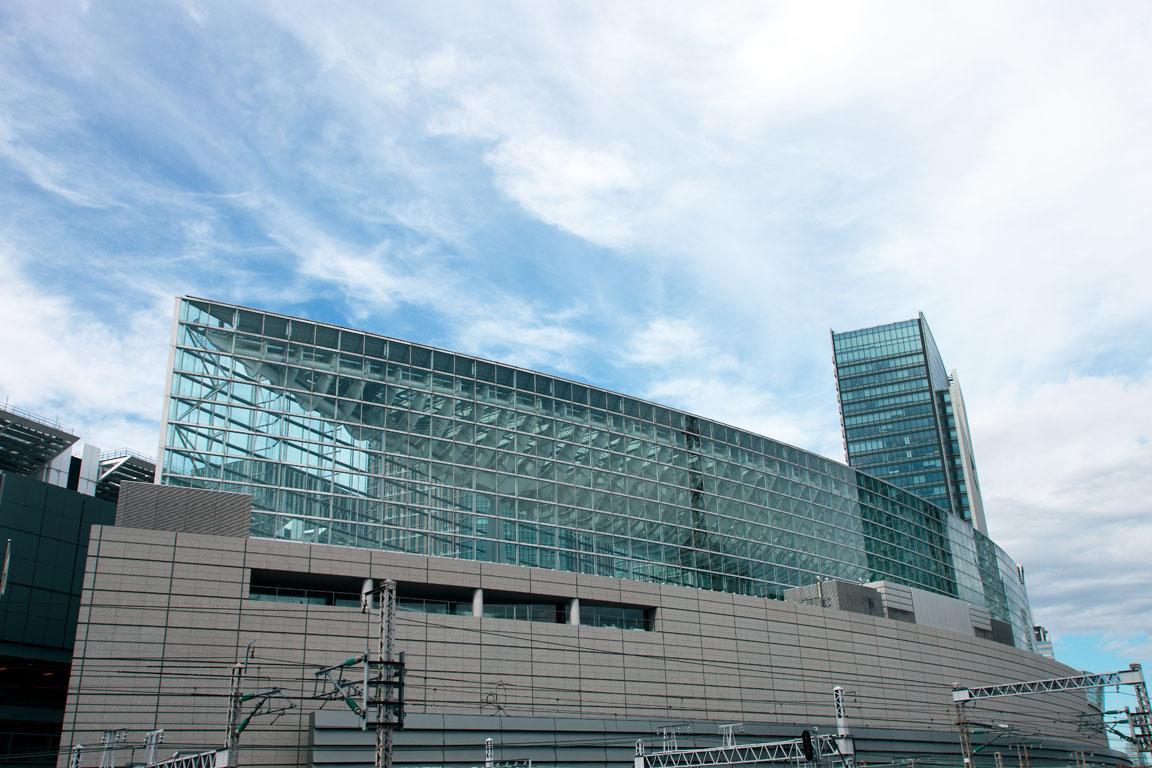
457,741
840,595
189,510
170,612
940,611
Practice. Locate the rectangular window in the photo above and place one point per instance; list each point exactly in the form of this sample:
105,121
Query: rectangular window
616,616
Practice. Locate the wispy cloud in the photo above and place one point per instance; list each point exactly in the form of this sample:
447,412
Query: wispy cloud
666,341
676,201
96,374
1067,469
685,366
579,189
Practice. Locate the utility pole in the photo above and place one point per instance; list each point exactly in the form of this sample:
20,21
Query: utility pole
152,740
999,759
385,703
236,700
962,727
1140,721
668,734
388,703
844,744
109,740
232,736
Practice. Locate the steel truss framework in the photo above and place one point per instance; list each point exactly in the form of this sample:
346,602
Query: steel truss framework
216,758
1139,720
1131,676
791,751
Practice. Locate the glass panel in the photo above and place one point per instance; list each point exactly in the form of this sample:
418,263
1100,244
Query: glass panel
588,481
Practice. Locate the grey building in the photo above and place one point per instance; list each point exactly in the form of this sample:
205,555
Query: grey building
496,650
576,568
349,438
47,508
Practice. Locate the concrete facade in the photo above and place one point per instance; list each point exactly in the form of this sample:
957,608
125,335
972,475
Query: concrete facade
165,615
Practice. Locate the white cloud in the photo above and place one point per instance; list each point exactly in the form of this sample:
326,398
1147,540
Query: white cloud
769,170
521,338
1128,646
27,113
743,403
1066,469
688,369
388,278
583,190
666,340
961,158
96,374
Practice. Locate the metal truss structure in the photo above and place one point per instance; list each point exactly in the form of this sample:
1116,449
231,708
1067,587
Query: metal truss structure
1139,720
1130,676
213,758
216,758
791,751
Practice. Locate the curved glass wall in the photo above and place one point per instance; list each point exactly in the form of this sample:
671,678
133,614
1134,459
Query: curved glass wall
353,439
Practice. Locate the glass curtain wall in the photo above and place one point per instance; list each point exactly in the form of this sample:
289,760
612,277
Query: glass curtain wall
903,415
353,439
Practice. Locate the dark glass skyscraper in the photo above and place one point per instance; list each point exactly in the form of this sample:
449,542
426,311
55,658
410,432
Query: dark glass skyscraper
903,415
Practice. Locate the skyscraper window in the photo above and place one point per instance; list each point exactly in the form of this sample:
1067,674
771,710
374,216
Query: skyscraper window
903,415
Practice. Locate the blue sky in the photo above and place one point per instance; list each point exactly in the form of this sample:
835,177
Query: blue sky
675,200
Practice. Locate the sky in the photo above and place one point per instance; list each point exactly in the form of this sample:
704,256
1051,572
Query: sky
674,200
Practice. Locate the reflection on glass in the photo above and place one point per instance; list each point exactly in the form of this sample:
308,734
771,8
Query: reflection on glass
349,439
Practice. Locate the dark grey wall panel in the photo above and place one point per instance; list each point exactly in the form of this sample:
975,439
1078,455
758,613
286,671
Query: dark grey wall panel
188,510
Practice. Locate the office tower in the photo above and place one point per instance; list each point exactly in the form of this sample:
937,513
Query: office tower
903,415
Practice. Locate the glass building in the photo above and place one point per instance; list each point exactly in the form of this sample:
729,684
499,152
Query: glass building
903,415
353,439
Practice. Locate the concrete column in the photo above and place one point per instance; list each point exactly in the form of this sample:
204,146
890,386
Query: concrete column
478,603
574,611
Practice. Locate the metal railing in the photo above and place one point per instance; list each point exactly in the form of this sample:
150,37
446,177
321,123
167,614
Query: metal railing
53,423
126,452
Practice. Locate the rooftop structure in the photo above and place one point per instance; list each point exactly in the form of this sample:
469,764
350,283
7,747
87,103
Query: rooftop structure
34,446
119,466
1042,642
29,443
